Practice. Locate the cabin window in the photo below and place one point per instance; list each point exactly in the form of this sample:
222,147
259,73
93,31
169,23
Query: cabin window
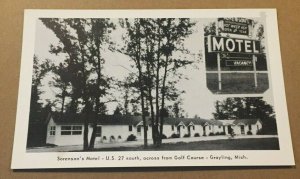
66,130
71,130
130,128
52,130
139,129
172,127
193,127
183,127
250,127
98,131
76,130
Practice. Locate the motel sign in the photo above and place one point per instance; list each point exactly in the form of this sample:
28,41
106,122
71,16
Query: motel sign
232,45
232,56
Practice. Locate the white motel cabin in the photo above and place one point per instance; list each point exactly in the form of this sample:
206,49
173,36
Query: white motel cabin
68,129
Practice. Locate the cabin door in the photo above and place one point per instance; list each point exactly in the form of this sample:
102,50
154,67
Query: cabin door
230,130
139,129
99,133
242,129
189,130
178,131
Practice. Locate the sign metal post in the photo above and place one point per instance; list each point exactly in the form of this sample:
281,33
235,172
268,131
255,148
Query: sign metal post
219,61
254,70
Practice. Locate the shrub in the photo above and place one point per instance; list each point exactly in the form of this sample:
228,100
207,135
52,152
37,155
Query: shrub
187,135
119,137
104,137
175,135
112,138
196,135
219,133
222,133
50,145
164,136
249,133
131,137
260,132
204,134
211,134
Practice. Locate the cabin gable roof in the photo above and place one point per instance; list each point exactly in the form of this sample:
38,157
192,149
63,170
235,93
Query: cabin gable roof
245,121
100,119
68,118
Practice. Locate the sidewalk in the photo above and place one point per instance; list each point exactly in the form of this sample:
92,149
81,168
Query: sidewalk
140,142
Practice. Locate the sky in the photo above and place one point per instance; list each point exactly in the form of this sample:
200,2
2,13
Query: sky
197,100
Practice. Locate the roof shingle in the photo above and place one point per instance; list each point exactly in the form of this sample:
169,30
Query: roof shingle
135,120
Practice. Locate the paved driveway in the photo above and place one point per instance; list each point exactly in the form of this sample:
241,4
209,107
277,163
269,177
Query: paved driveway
140,142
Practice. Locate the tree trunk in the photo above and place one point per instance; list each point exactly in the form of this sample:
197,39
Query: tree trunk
87,107
63,96
144,121
157,135
150,97
163,94
152,115
157,107
151,106
126,101
85,136
73,106
138,60
93,137
86,127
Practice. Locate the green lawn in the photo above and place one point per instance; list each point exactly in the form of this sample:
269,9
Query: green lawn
230,144
237,83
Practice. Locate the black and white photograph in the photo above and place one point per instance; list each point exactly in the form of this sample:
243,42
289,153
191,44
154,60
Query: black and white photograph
179,83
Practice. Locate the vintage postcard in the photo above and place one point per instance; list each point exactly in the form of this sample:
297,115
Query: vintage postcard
149,88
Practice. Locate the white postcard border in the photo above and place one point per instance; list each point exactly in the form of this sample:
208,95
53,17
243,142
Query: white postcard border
23,160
